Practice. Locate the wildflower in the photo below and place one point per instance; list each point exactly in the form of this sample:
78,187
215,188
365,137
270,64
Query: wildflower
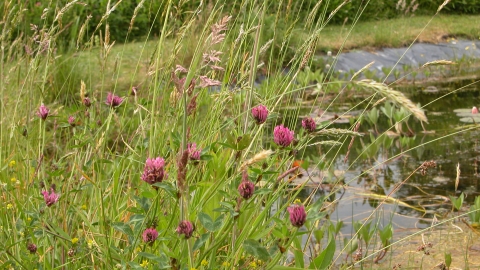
225,264
144,264
71,120
150,235
154,171
84,207
50,198
253,264
86,101
260,113
297,215
474,110
193,151
282,136
9,206
74,240
204,262
32,248
12,163
43,112
309,124
113,100
90,243
246,189
185,227
13,179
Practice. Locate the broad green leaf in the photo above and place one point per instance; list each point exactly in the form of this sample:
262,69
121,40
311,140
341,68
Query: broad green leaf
208,223
325,258
162,260
254,248
201,241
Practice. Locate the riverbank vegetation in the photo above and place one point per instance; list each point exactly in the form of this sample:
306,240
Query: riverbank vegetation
166,153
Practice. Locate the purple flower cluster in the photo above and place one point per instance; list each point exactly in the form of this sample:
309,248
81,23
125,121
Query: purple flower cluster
113,100
50,197
260,113
282,136
246,189
193,151
43,112
186,228
154,171
298,215
309,124
150,235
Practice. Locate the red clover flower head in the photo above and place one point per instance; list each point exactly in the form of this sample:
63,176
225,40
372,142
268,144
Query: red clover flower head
113,100
474,110
260,113
154,171
150,235
193,151
50,198
71,120
246,189
282,136
43,112
87,102
309,124
297,215
185,227
32,248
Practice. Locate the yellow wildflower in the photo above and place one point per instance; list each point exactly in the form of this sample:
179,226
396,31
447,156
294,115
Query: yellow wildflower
12,163
13,179
90,243
253,264
204,262
84,207
9,206
74,240
144,264
297,201
29,219
225,264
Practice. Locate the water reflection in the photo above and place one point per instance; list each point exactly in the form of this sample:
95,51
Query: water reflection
381,167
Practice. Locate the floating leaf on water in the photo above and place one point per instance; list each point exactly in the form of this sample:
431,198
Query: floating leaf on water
472,119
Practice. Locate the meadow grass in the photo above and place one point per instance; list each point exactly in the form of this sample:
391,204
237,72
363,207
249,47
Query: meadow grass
155,155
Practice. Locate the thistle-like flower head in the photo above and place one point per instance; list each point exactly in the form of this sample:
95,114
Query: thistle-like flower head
298,216
260,113
154,170
282,136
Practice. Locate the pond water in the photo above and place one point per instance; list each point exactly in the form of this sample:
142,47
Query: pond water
372,173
